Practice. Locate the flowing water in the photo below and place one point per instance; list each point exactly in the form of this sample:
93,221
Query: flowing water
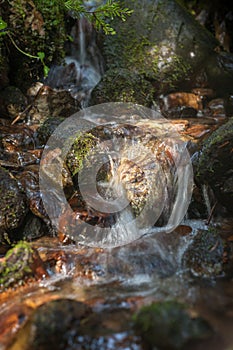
148,269
83,64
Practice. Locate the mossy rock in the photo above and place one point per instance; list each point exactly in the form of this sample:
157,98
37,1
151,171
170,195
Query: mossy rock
168,325
160,41
80,149
13,207
19,264
122,85
47,128
205,256
214,164
57,324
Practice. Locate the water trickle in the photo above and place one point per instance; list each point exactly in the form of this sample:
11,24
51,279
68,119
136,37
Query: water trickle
83,64
82,42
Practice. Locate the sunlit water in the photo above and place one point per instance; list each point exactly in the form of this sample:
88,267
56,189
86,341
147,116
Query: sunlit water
151,267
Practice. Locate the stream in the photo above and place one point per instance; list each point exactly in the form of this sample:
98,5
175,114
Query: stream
103,266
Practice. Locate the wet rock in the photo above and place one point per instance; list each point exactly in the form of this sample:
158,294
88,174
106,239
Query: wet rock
220,72
168,325
62,135
142,258
122,85
50,103
20,263
205,256
137,172
16,138
217,108
180,105
46,129
29,181
34,228
82,146
56,324
13,206
199,131
164,43
12,101
72,325
213,166
17,160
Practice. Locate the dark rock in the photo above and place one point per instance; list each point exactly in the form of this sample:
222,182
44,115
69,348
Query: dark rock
13,206
12,101
67,324
205,256
220,72
50,103
16,138
214,164
34,228
55,325
168,325
4,68
46,129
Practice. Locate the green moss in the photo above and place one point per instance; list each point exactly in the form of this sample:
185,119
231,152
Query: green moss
167,325
17,265
13,204
35,26
143,55
209,161
122,85
82,145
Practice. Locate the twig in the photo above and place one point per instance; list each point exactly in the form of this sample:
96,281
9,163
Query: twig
211,213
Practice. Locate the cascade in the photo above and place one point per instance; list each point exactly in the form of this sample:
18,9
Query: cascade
83,64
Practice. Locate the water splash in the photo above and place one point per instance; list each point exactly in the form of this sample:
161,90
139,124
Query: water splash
152,163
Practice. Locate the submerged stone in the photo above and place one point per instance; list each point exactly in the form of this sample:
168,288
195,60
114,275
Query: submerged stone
168,325
54,325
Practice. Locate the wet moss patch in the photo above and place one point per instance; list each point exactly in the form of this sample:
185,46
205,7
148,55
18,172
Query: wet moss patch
168,325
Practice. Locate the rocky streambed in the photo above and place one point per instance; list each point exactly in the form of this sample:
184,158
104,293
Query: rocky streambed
80,297
149,285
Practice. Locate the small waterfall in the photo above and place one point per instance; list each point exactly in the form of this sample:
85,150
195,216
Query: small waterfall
82,42
83,64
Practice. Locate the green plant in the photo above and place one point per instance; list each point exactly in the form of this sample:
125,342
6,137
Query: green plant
50,14
40,55
100,15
